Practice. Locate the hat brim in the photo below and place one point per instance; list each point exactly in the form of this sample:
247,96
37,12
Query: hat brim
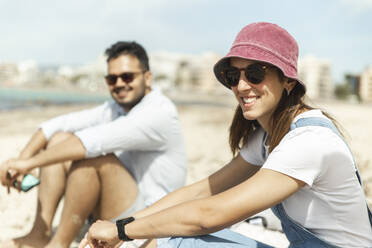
258,54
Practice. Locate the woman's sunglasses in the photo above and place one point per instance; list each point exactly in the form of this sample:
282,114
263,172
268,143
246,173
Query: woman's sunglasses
127,77
255,74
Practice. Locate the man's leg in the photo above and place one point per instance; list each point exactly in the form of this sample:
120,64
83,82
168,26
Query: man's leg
51,189
103,181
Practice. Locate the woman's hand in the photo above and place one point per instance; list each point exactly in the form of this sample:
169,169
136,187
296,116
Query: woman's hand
102,234
12,170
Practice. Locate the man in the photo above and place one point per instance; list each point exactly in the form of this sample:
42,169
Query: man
111,160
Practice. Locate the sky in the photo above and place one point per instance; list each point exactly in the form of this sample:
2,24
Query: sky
73,32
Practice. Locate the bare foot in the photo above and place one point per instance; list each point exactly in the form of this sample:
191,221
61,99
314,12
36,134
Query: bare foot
24,242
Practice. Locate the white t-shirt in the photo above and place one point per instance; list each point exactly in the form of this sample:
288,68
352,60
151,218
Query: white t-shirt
332,204
148,140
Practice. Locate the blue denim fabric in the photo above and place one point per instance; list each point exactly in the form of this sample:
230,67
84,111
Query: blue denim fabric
222,239
298,236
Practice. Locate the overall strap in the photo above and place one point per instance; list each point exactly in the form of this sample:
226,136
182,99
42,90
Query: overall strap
323,122
315,121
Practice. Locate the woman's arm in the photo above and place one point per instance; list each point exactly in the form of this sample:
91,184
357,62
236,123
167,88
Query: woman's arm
205,215
235,172
185,211
263,190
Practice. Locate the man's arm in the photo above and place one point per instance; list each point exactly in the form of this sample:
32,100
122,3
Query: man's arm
75,121
69,149
70,122
37,142
145,131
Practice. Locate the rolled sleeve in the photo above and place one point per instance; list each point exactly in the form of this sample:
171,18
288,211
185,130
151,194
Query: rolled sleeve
73,122
49,128
145,132
252,152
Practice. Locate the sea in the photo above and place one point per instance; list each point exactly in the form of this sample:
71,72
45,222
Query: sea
17,98
14,98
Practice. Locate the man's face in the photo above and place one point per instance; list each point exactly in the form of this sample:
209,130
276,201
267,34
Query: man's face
128,94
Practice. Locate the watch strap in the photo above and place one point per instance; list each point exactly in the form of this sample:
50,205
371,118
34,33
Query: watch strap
120,225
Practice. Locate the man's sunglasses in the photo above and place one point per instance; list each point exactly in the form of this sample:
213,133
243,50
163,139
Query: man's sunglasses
255,74
127,77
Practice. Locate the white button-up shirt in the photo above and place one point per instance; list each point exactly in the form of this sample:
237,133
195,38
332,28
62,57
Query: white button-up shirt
148,140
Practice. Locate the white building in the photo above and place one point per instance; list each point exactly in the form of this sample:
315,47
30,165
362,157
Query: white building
203,69
17,74
8,73
163,66
89,76
185,71
317,75
365,90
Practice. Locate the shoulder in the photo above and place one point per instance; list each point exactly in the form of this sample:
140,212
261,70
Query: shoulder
254,151
312,131
155,101
313,125
308,151
155,110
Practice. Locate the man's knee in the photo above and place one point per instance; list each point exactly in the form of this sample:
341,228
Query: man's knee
99,163
82,172
58,138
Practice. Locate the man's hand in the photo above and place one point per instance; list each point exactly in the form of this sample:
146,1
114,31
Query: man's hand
102,234
13,169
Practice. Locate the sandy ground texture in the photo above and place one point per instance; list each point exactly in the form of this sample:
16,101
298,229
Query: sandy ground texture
206,133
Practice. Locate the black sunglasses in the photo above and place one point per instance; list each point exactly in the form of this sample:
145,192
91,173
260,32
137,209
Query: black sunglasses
255,74
127,77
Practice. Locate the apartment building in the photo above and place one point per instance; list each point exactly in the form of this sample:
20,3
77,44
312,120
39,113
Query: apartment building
365,92
317,75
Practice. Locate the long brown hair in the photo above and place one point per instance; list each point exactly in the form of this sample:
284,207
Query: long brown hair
288,108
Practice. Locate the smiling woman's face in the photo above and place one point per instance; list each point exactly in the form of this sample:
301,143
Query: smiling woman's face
258,101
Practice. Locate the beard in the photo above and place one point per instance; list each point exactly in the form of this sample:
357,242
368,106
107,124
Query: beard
136,98
131,104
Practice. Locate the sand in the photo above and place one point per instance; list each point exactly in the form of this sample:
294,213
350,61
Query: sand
206,133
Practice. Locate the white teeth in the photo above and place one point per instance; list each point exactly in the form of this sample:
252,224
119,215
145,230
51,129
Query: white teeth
249,99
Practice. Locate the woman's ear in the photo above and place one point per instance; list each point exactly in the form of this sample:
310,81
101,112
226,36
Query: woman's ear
289,84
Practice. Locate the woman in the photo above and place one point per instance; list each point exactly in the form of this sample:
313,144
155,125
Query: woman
288,156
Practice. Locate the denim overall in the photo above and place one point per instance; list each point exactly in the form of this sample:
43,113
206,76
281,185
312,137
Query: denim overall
298,236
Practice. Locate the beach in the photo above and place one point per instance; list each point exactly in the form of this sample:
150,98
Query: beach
206,135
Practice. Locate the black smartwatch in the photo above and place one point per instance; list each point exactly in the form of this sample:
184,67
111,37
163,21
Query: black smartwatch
120,225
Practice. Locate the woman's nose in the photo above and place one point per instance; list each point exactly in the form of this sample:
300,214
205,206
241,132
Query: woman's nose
243,83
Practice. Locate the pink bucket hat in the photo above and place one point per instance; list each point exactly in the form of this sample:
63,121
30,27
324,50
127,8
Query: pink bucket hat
264,42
